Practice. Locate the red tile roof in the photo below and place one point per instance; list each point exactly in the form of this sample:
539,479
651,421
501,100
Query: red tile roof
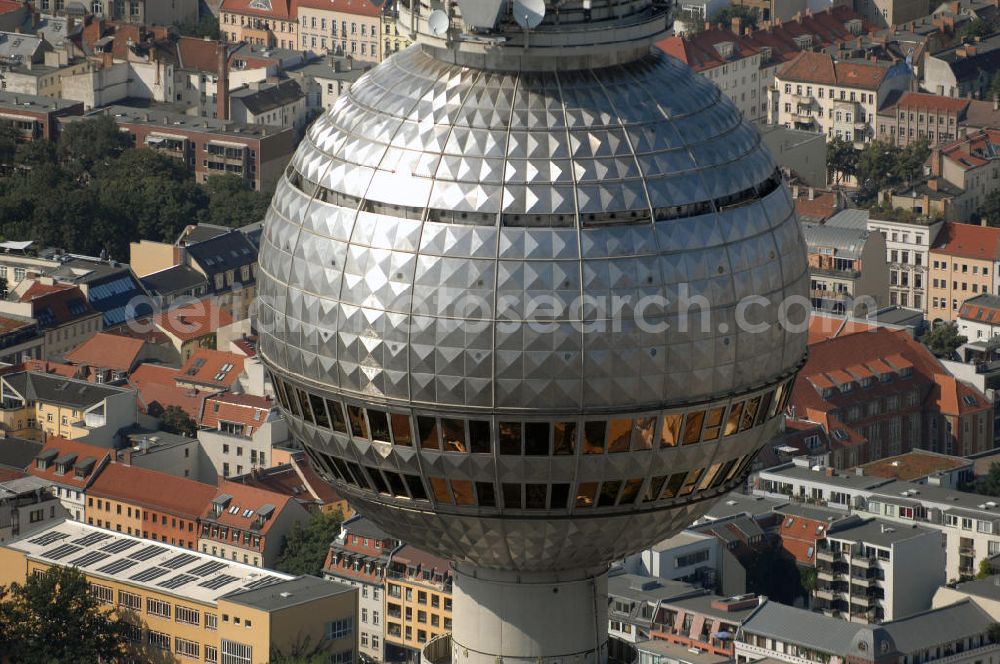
973,150
821,207
809,67
247,498
7,474
153,490
193,321
53,305
981,310
702,50
158,389
50,367
823,327
246,409
8,324
8,6
280,9
937,103
63,446
37,288
358,7
214,369
198,54
108,351
968,241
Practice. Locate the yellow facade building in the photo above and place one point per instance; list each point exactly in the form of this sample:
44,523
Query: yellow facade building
197,607
417,601
393,40
963,265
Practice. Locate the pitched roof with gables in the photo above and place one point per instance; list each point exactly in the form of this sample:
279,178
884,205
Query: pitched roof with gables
213,369
193,321
152,489
81,453
821,68
107,351
249,410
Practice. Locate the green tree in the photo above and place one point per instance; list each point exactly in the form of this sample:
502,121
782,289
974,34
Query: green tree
307,544
841,160
989,484
994,91
301,651
9,139
176,420
807,578
911,159
206,26
878,166
989,209
232,203
993,632
92,141
749,16
54,617
985,570
944,340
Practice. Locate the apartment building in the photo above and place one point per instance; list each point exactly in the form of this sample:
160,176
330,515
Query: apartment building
145,12
276,103
27,504
729,61
154,505
393,41
341,27
269,23
634,604
417,601
359,557
38,405
190,605
964,263
979,318
240,431
20,340
955,634
962,70
876,571
848,272
919,115
61,311
257,153
881,393
70,468
246,523
110,287
192,326
36,117
970,524
109,358
817,93
908,245
228,262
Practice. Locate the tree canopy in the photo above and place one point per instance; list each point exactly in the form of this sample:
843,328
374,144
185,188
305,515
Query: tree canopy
944,340
176,420
93,192
882,165
307,544
206,26
749,16
54,617
841,159
989,484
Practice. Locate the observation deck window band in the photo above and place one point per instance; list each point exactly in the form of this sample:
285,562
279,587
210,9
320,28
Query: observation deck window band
527,220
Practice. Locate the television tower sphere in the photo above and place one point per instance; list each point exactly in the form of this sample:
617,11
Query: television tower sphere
521,294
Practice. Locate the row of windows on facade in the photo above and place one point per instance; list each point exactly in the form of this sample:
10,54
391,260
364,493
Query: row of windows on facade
964,268
117,527
837,116
132,602
845,95
366,49
395,630
106,505
942,303
394,611
564,438
956,285
289,26
221,534
532,496
919,133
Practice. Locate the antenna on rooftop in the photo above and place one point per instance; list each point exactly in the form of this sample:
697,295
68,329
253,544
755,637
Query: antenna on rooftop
438,22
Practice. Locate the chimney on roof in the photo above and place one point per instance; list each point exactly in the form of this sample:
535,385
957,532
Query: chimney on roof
932,184
936,161
996,98
736,25
222,87
812,193
795,192
127,457
708,25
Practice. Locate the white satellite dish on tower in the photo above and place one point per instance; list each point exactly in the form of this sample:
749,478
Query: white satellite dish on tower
481,14
438,22
529,13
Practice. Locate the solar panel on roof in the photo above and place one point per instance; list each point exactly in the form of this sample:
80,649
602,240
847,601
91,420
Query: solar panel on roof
207,568
218,581
147,552
117,566
149,574
48,538
260,583
92,538
179,561
89,558
118,546
177,581
63,551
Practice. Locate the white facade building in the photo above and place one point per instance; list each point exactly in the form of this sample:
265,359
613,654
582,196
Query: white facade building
907,246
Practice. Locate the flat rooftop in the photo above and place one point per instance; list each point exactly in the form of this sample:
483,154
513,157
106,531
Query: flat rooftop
167,121
914,465
878,533
674,652
845,479
284,594
736,503
143,563
34,103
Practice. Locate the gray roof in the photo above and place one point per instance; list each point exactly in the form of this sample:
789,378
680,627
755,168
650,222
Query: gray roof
843,479
267,97
363,527
938,627
988,588
649,589
674,652
702,604
18,453
854,219
737,503
222,253
825,634
20,47
848,242
56,389
814,512
22,485
878,533
15,101
289,593
168,120
199,233
174,279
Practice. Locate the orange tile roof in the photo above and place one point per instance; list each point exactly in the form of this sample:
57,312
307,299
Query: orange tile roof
198,54
924,100
246,409
809,67
107,351
50,367
153,490
280,9
823,327
157,388
699,51
193,321
968,241
208,367
37,288
8,324
55,304
982,308
247,498
63,446
823,206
